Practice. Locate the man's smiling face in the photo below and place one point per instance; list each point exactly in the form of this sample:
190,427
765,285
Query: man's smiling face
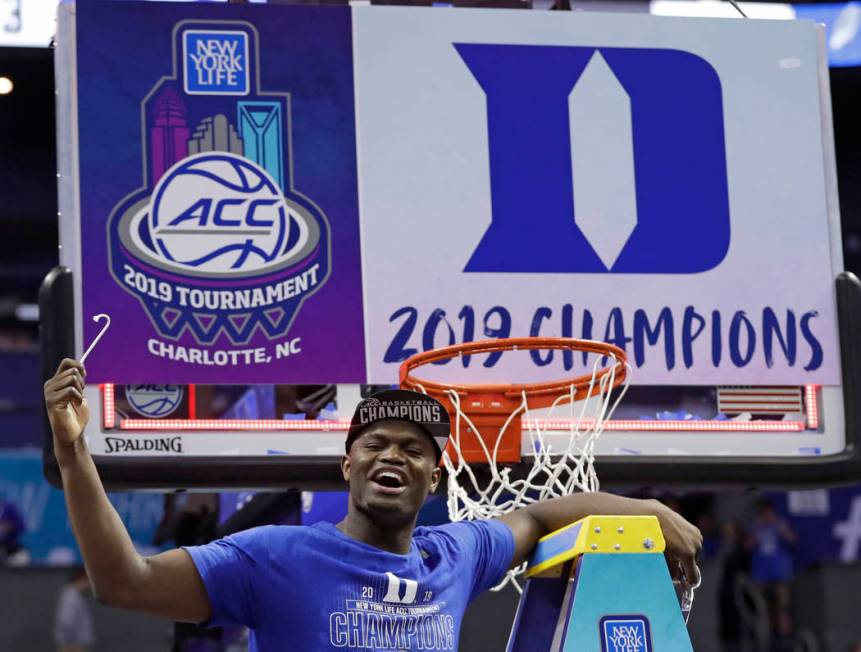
391,469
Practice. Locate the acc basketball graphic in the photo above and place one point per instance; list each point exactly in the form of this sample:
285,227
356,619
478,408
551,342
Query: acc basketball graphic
218,244
154,401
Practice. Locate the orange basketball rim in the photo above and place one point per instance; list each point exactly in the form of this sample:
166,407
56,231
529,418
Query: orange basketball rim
489,406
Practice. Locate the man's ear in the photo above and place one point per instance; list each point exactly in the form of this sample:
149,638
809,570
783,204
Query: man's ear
436,476
345,467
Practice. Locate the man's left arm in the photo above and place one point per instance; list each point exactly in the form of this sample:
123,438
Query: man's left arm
529,524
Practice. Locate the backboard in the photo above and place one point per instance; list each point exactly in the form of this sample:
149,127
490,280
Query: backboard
273,240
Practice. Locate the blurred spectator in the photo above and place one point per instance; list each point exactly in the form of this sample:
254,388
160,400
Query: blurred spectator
15,340
73,619
772,568
12,527
190,520
736,564
712,539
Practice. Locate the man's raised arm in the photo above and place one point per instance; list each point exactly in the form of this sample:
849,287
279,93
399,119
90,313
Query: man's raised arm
529,524
167,584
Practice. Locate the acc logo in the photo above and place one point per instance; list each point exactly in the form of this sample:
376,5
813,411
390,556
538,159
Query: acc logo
621,166
154,400
625,634
218,244
220,215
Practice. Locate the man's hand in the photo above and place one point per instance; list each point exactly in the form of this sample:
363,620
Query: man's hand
529,524
684,542
68,411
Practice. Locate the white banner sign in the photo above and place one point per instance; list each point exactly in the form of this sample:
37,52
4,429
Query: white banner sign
27,23
665,184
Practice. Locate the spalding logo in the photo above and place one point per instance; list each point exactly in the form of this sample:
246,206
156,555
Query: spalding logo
220,215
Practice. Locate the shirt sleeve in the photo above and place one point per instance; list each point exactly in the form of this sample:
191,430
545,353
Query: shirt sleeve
490,547
231,569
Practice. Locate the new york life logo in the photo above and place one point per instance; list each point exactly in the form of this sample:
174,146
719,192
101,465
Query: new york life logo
216,62
625,634
601,160
218,244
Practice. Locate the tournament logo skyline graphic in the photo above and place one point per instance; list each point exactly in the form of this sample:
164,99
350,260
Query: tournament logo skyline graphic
218,243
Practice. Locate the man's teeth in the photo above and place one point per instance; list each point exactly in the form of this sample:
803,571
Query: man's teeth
386,475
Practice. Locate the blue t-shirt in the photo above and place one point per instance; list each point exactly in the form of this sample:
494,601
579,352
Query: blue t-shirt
314,588
771,560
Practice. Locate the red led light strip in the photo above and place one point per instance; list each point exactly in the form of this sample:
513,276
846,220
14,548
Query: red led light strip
279,425
192,402
108,411
811,405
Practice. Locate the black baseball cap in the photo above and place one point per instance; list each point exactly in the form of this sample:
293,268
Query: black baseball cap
423,410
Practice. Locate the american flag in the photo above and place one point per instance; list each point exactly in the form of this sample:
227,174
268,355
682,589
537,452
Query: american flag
760,400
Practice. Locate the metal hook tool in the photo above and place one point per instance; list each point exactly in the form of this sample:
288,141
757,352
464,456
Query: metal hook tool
97,318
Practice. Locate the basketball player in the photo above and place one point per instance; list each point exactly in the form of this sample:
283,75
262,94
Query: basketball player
374,581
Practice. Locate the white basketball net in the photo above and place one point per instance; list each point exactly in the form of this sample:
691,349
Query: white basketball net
554,472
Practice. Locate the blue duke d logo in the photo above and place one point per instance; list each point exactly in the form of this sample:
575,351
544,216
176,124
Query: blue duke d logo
601,160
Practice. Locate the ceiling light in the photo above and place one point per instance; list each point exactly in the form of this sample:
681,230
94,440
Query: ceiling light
6,86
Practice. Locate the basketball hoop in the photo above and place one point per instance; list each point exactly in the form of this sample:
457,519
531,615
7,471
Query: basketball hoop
487,427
